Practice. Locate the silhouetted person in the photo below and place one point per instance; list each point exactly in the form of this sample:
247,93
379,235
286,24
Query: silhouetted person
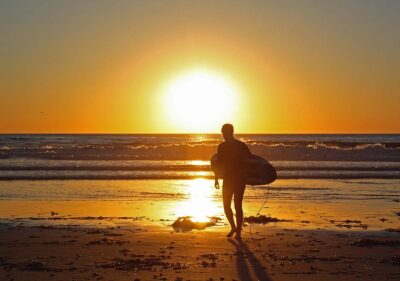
231,156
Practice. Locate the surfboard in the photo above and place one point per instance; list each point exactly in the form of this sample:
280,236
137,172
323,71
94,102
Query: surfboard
258,170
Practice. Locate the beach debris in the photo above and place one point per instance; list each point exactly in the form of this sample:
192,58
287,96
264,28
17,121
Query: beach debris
212,256
392,230
345,221
112,234
148,263
395,260
363,226
397,213
55,242
184,224
208,260
6,264
94,231
367,242
124,251
107,241
349,223
33,264
82,218
262,219
132,264
310,259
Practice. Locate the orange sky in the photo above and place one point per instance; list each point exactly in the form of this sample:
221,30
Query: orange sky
297,66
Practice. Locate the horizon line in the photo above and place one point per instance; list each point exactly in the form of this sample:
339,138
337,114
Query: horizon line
197,133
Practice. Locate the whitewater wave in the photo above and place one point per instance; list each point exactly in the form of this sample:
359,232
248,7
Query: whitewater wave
290,154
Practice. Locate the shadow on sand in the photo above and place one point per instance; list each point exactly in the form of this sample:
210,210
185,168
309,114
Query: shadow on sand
247,264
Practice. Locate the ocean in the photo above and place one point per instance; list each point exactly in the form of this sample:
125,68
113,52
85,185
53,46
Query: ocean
142,156
322,179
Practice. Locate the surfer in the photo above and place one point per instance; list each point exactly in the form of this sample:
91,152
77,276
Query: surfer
232,154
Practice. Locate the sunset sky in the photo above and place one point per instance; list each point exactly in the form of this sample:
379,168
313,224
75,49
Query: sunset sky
143,66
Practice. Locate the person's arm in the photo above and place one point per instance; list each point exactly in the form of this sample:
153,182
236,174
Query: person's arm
216,182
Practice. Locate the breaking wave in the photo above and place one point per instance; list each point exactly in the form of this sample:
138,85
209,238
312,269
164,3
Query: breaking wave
186,156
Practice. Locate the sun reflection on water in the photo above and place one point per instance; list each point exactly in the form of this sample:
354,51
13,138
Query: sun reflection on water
198,162
200,205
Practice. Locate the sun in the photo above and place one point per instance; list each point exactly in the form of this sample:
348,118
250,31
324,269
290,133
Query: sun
200,101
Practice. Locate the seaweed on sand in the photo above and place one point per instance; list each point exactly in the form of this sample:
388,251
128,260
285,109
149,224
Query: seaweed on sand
367,242
395,260
187,224
392,229
263,219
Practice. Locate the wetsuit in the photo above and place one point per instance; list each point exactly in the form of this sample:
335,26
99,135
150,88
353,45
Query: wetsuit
232,155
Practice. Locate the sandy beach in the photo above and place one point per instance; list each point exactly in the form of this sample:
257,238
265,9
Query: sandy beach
122,230
128,127
137,253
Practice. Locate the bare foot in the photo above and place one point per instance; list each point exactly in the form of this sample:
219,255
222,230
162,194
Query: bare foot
233,230
238,235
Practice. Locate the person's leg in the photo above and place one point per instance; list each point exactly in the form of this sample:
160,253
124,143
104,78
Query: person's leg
238,200
227,194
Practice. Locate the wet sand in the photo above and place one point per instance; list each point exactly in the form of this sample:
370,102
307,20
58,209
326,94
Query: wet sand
122,230
150,253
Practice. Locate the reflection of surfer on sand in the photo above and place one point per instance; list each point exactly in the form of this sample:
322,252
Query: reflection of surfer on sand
232,154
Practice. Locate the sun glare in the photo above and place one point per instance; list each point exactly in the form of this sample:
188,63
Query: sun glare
200,101
200,205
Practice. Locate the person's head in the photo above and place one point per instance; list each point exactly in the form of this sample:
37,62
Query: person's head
227,131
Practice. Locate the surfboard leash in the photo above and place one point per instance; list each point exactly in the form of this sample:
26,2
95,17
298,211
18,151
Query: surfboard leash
258,213
251,224
265,201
